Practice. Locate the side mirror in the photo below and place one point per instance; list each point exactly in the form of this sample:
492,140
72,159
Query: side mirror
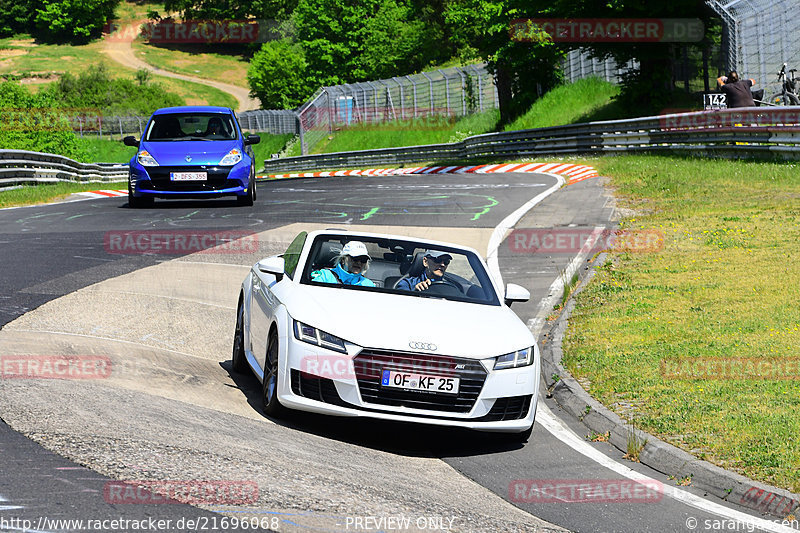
252,139
272,265
515,293
130,140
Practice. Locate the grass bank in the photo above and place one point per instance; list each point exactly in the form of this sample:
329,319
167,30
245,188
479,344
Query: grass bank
46,193
723,289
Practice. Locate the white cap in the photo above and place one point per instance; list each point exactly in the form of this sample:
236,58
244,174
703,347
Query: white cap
436,254
355,249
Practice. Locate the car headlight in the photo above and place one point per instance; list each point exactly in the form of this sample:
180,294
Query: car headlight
145,159
304,332
232,157
516,359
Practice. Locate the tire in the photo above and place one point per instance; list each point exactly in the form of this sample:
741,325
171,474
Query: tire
251,194
783,99
269,387
134,202
238,358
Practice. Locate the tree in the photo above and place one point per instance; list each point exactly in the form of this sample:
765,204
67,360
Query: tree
16,16
277,75
522,69
648,87
75,21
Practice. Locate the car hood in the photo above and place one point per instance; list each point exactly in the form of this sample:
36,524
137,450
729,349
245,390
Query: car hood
174,153
392,321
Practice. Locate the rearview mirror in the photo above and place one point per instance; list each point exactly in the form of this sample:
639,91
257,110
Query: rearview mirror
252,139
130,140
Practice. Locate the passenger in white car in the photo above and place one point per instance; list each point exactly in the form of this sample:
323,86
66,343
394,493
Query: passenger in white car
351,264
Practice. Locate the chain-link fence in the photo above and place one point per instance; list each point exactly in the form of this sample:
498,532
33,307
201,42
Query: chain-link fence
450,92
758,37
578,64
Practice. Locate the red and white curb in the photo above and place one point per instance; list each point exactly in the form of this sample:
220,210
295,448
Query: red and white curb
105,193
574,173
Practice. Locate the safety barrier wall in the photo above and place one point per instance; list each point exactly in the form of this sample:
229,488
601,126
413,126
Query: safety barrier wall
21,167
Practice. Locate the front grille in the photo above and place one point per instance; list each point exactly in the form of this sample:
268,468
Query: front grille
217,179
316,388
511,408
369,365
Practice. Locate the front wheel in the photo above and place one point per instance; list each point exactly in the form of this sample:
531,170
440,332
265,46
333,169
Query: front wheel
783,99
238,359
250,197
272,407
134,202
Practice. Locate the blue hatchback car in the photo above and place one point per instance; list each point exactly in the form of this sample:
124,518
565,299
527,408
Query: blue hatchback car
192,152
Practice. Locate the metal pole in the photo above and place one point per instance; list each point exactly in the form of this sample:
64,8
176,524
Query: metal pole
430,85
402,99
446,90
480,88
463,93
303,148
414,89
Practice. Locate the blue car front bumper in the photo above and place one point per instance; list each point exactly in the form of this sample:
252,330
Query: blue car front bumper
156,181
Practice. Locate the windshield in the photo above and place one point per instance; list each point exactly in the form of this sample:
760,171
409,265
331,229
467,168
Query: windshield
191,127
398,266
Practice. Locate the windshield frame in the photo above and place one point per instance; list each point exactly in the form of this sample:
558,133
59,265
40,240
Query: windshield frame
392,245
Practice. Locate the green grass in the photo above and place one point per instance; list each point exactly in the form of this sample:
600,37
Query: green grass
40,194
107,151
412,132
582,101
199,60
270,144
724,286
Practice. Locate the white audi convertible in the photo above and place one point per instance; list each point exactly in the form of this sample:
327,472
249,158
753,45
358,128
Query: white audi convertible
383,326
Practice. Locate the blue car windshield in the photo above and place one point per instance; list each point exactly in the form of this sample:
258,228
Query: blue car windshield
191,127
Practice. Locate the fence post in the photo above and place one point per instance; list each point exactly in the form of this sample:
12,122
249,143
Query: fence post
463,93
430,86
299,120
446,89
480,87
414,91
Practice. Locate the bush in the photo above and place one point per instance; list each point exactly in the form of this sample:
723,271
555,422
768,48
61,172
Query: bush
275,75
36,123
95,89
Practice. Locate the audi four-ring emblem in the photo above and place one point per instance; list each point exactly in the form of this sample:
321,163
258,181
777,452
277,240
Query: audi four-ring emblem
423,346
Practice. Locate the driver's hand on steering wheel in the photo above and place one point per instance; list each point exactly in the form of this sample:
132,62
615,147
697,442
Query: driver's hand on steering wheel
422,285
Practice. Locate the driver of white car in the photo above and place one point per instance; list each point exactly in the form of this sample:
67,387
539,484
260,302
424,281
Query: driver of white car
351,265
435,263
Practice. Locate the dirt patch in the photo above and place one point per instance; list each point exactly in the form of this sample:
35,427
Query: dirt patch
67,58
23,42
11,52
196,101
39,79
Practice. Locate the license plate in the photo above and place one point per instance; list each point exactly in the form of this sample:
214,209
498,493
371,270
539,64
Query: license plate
188,176
422,382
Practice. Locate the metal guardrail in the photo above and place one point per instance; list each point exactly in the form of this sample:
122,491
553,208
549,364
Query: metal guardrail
21,167
743,133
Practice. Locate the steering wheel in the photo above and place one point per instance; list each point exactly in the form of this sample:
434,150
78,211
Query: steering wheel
445,287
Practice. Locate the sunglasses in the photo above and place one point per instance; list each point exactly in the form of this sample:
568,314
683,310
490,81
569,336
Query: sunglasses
361,258
444,262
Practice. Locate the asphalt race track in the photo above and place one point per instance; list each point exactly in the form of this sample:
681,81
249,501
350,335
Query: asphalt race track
172,408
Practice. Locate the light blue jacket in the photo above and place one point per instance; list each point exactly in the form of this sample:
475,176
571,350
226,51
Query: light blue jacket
347,278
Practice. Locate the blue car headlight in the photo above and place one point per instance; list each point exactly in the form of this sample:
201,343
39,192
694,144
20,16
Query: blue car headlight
232,157
146,160
304,332
516,359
